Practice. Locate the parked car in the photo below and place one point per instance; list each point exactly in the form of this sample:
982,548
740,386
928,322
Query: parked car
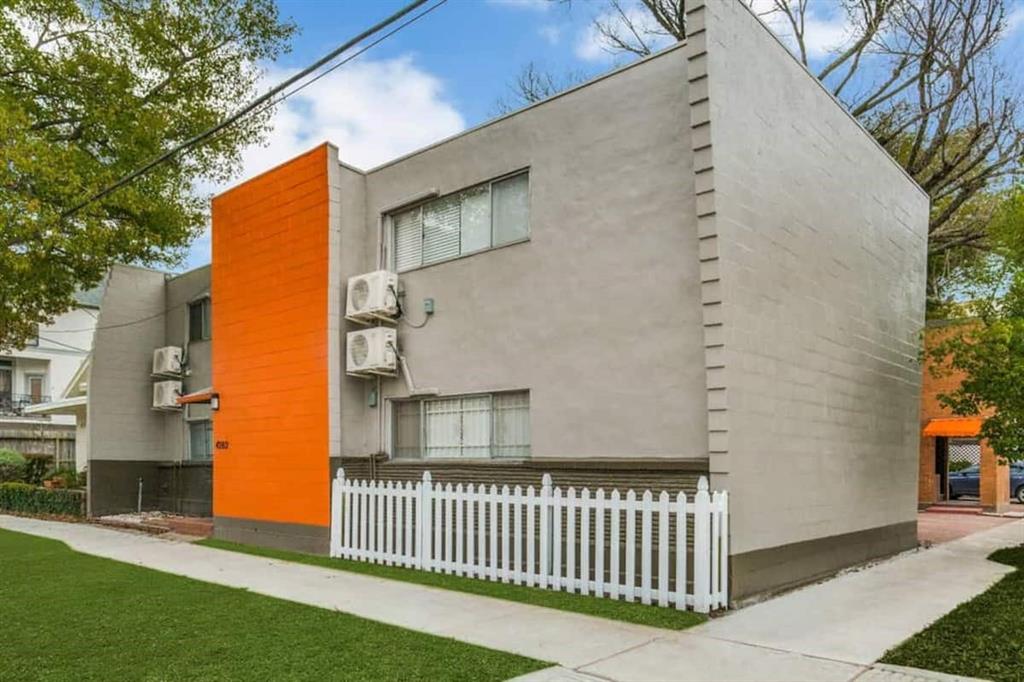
966,481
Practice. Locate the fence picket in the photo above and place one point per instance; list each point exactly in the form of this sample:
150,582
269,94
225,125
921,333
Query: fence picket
470,532
556,539
724,558
663,521
630,546
448,518
506,563
599,543
701,538
493,564
681,550
545,532
616,540
645,547
715,539
481,526
336,484
478,531
585,541
517,515
570,540
458,530
531,567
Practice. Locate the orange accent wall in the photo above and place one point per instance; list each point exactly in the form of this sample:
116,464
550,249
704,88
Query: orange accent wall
269,291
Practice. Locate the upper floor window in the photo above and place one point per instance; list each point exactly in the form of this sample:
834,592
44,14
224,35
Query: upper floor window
479,218
471,426
199,320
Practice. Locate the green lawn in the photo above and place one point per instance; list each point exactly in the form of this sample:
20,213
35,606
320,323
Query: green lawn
71,616
983,637
630,612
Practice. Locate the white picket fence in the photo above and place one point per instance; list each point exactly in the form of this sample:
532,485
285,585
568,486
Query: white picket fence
579,542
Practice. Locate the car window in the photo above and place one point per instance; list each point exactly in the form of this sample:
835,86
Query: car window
970,471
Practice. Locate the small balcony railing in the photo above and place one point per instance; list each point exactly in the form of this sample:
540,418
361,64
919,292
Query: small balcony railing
14,404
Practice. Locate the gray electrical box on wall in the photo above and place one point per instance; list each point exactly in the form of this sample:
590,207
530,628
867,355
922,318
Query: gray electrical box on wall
428,306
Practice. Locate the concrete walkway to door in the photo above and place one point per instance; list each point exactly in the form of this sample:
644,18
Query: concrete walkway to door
831,631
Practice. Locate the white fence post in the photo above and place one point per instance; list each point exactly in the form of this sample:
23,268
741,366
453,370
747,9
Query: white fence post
425,489
702,548
336,520
545,531
445,528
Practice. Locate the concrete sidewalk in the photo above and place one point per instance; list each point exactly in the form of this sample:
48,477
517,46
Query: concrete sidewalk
830,631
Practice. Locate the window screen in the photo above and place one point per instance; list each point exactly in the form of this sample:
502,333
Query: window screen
473,427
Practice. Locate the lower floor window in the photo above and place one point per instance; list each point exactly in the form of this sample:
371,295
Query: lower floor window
471,426
200,440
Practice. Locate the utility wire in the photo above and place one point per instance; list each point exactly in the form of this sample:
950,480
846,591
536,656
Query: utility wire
254,107
60,343
244,111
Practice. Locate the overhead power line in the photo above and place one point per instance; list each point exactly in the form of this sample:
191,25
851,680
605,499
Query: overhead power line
261,101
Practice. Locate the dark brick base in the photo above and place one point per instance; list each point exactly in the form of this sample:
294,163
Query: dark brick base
766,571
639,474
295,537
182,488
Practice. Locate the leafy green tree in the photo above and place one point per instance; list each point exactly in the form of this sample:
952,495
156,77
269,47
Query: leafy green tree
988,347
91,90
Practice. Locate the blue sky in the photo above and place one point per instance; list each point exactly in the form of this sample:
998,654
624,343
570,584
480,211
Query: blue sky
443,73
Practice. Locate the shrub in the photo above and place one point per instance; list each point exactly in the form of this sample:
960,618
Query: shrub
28,499
66,475
13,467
36,468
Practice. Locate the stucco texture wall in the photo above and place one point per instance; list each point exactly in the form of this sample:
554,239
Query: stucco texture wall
122,424
819,245
598,313
270,354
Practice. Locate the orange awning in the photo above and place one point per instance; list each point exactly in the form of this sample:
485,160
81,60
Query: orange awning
954,427
204,396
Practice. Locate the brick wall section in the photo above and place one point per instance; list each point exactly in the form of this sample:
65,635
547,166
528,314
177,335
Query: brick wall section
931,388
270,365
820,242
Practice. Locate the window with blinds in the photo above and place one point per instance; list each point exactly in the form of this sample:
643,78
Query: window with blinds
476,219
466,427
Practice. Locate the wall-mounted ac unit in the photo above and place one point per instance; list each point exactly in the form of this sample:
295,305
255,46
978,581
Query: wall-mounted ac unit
372,297
165,395
167,361
371,352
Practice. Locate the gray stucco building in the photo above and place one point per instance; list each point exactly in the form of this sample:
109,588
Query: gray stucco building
699,264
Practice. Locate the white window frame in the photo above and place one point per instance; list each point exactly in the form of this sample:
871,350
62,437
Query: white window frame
390,241
391,445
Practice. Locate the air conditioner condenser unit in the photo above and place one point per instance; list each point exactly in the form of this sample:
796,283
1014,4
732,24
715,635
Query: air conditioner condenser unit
165,395
372,297
371,352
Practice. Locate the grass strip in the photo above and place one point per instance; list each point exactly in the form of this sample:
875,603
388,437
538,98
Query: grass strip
983,637
629,612
71,616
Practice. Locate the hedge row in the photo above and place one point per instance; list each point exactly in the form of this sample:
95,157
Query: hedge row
28,499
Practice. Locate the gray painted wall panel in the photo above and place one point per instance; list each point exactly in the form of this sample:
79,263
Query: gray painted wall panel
122,425
821,240
598,314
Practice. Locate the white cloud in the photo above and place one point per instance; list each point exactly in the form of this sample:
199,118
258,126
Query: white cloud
823,33
373,111
552,34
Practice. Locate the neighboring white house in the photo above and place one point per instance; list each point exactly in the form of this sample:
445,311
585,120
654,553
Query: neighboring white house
40,372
